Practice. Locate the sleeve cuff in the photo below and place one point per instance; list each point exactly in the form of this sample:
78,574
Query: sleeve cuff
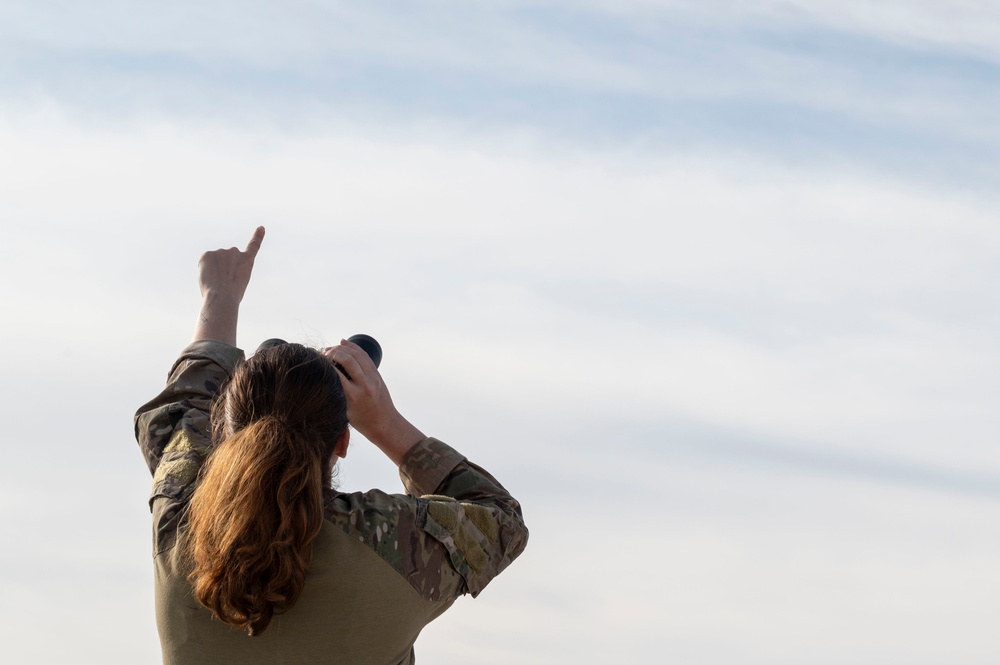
426,465
222,354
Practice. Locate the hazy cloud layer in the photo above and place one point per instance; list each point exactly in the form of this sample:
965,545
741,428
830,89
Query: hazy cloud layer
710,286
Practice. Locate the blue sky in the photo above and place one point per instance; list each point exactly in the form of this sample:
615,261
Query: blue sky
674,78
710,286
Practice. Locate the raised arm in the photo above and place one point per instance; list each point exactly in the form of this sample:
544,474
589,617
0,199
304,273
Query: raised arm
460,525
172,429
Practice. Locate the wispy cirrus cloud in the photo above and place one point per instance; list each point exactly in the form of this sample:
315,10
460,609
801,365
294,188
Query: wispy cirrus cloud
814,82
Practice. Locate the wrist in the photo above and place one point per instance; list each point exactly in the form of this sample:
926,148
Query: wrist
219,298
396,437
218,318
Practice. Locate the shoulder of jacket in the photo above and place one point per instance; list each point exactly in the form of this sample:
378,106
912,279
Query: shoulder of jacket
394,526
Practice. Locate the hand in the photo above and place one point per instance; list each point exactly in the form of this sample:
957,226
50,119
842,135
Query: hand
369,406
225,273
223,276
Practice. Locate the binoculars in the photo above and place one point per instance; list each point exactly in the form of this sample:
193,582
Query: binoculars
367,343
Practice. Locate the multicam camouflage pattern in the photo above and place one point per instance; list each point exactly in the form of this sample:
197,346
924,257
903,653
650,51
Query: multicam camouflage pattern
445,544
455,531
173,432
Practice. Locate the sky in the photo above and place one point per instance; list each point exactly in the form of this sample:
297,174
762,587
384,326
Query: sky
709,286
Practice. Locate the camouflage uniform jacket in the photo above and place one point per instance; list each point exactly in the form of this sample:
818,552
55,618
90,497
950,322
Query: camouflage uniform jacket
383,566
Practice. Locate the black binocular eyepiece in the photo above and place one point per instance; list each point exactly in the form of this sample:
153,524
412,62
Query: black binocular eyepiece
367,343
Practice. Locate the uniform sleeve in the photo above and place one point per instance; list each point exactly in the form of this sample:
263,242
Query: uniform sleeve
456,531
173,430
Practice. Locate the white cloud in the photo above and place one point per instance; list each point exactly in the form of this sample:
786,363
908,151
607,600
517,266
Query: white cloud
523,296
749,406
496,250
715,566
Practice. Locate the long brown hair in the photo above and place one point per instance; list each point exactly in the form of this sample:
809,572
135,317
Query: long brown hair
258,505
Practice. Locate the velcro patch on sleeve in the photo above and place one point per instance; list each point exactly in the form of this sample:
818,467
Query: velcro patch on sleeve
444,514
483,519
460,535
473,552
177,464
181,442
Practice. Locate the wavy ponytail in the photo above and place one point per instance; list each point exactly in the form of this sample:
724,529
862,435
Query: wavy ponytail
258,506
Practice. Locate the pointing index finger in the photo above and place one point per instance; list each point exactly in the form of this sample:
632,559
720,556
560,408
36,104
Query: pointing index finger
254,245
